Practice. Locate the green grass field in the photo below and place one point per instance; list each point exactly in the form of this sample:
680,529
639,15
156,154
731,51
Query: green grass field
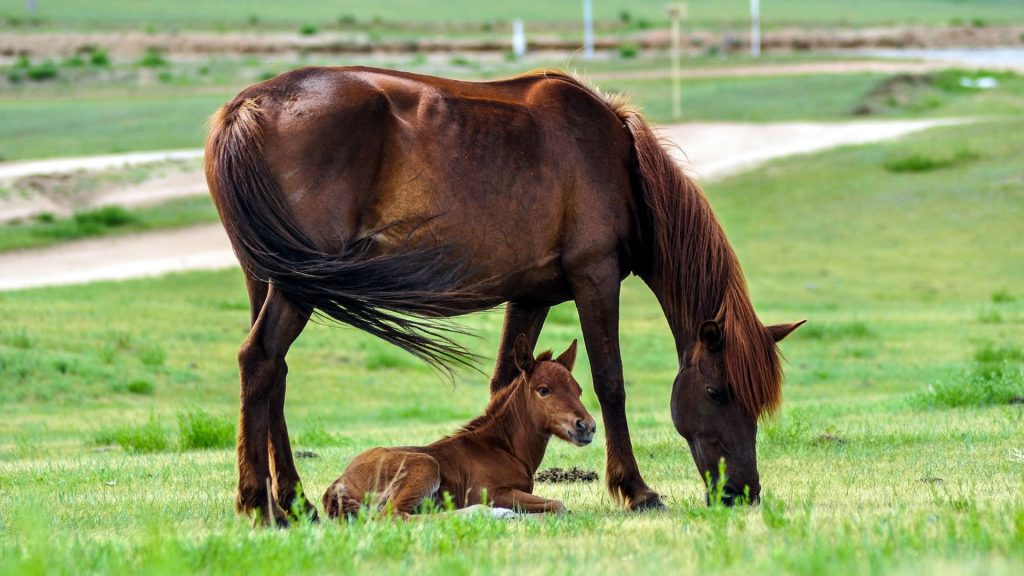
235,14
898,449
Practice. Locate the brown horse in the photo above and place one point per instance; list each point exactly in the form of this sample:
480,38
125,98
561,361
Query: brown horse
386,200
494,457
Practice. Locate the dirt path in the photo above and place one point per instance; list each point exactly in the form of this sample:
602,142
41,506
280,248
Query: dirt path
714,150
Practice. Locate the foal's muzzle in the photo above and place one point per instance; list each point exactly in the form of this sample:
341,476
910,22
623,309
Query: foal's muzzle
583,433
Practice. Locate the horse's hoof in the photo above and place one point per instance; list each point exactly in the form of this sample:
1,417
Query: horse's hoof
649,502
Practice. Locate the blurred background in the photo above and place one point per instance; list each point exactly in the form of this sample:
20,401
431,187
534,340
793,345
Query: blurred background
864,157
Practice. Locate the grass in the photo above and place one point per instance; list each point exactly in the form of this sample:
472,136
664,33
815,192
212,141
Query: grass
345,14
859,477
46,230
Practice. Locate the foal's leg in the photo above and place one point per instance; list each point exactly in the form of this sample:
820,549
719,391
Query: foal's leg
519,319
525,502
412,478
263,369
596,291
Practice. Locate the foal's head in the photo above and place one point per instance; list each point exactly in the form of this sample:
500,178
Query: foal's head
552,395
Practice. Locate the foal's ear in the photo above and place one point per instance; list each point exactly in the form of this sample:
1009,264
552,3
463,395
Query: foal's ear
710,333
780,331
568,358
523,354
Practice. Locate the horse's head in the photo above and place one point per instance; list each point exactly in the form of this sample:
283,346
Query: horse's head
717,418
553,395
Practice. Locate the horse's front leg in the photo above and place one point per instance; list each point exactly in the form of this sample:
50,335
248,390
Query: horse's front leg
262,366
596,291
519,319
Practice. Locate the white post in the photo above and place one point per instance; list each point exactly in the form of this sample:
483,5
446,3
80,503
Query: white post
518,39
676,12
588,30
755,28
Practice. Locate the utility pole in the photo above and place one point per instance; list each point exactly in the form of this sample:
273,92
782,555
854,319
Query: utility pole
755,28
588,30
676,12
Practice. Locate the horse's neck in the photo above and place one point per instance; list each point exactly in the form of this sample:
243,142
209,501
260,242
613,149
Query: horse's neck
678,322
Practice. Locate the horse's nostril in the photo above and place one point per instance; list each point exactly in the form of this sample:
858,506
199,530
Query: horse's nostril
581,426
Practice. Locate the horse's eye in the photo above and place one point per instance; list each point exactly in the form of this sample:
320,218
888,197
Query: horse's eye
715,396
543,391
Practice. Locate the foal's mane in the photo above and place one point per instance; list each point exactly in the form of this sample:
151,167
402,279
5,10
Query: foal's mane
501,402
693,264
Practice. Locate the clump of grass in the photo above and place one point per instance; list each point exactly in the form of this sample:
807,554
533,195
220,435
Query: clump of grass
152,355
92,222
918,162
46,70
308,29
202,431
152,58
142,438
994,378
1002,297
856,330
316,435
628,50
141,387
989,316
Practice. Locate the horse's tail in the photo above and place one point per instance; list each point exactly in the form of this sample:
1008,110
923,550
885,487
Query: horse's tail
391,296
338,502
685,238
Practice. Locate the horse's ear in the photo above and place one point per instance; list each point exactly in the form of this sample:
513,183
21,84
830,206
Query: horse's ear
780,331
568,358
711,334
523,354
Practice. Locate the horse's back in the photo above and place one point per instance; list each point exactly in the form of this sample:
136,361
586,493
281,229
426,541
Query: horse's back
496,169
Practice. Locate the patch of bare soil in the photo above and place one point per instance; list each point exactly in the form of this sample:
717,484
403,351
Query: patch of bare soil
62,193
562,476
894,92
133,44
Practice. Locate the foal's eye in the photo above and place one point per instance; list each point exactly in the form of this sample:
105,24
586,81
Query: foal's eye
715,396
543,391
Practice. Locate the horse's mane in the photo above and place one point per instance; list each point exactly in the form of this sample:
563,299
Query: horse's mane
694,265
501,401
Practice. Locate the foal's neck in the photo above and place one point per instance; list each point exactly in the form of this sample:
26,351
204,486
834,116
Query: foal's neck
513,431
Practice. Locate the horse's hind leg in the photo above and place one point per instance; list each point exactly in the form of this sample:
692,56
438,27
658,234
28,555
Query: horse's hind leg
286,477
262,366
287,484
519,319
597,298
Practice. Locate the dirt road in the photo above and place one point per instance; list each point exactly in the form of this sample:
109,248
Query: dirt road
713,150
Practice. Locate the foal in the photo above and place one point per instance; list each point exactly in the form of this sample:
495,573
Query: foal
498,452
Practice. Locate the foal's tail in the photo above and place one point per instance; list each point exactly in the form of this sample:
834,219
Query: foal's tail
338,502
391,296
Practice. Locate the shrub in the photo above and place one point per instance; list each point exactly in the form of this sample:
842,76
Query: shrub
95,221
99,57
44,71
307,30
75,61
202,431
